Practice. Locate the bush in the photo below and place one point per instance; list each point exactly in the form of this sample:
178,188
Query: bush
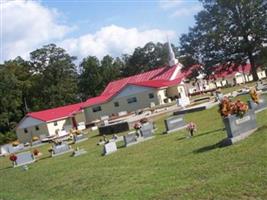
7,137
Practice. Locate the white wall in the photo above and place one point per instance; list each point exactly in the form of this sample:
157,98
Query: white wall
108,108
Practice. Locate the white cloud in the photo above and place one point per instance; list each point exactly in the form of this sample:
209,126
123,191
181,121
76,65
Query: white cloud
180,8
167,4
186,11
113,40
26,26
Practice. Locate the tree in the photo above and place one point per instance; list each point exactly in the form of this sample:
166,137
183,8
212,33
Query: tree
90,79
55,77
147,58
14,86
226,32
110,69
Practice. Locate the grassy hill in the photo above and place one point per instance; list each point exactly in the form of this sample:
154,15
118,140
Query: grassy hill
166,167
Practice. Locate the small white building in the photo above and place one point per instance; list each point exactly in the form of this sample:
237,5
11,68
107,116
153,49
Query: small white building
50,122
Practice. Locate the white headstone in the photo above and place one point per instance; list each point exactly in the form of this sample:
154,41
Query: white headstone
81,126
184,101
110,148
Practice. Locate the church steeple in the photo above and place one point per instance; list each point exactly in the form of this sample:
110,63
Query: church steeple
172,59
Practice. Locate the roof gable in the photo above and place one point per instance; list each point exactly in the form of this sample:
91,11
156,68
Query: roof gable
29,122
56,113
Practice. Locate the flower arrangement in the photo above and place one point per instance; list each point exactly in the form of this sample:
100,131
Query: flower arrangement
254,96
143,120
15,143
137,125
35,138
13,157
36,152
228,107
191,127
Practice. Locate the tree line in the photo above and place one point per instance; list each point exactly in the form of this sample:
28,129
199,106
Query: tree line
225,32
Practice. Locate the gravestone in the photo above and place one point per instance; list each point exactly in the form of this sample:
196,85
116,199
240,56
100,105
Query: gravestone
109,148
60,149
24,159
175,123
79,138
183,101
239,128
14,149
261,86
129,139
113,128
258,107
147,130
78,152
81,126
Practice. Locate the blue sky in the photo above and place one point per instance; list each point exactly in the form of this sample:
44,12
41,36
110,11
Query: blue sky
96,28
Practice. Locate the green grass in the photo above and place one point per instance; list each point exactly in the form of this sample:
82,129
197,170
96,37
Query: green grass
166,167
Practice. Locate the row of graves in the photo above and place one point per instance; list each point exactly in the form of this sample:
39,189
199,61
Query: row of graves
238,117
59,146
144,130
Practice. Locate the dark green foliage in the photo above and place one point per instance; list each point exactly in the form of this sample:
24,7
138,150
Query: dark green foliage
226,32
90,79
149,57
55,77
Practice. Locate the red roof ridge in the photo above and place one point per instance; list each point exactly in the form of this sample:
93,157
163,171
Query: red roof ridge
56,113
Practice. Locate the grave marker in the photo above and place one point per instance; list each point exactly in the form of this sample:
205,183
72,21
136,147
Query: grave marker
175,123
109,148
24,159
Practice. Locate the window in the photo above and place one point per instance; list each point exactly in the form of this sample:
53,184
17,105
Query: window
96,109
132,100
116,104
55,123
37,128
151,95
25,130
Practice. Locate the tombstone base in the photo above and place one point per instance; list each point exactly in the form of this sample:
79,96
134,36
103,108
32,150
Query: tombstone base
26,163
61,153
174,130
80,140
139,140
79,152
238,138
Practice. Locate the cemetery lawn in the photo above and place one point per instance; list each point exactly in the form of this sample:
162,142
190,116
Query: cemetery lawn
166,167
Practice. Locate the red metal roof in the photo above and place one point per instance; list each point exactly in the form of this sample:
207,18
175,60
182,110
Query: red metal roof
225,71
56,113
163,73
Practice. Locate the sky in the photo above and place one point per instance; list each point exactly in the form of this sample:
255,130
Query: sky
96,28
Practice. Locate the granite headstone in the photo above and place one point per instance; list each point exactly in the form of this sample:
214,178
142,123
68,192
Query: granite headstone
60,149
236,126
109,148
24,159
174,123
129,139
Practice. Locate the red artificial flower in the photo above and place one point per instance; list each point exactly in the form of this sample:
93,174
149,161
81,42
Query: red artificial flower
13,157
137,125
